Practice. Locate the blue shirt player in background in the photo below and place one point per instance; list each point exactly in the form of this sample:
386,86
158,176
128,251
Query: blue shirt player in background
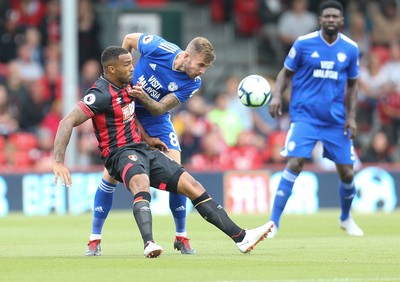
323,68
169,76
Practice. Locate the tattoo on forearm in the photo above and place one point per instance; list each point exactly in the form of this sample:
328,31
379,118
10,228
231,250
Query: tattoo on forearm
61,143
74,118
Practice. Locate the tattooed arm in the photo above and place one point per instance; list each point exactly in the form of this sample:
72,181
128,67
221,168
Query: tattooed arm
64,131
167,103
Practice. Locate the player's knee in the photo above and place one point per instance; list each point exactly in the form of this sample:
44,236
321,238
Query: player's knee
295,164
138,183
108,178
189,186
346,173
347,176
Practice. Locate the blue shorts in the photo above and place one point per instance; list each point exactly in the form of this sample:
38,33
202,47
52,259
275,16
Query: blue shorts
162,128
302,137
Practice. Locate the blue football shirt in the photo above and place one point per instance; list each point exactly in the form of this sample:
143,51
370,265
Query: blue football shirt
154,70
321,71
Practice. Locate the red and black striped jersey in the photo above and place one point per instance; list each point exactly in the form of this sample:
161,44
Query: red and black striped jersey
112,112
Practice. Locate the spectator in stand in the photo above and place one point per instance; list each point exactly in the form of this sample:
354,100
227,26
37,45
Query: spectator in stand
273,147
43,155
373,86
4,7
8,124
357,30
33,40
29,12
11,35
50,26
229,122
88,33
390,105
29,69
87,146
53,118
234,104
15,88
269,48
32,109
295,22
52,52
245,155
51,83
379,151
212,155
386,22
191,125
91,70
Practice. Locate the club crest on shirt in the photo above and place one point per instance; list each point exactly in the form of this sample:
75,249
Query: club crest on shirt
133,158
341,57
172,86
89,99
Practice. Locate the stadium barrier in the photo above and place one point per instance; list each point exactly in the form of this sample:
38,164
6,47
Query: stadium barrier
241,192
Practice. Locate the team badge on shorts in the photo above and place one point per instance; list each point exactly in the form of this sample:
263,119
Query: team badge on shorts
133,158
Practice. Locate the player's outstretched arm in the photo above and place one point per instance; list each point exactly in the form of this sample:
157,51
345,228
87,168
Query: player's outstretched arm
130,41
64,131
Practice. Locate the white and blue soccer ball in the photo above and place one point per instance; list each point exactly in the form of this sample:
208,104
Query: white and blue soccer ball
254,91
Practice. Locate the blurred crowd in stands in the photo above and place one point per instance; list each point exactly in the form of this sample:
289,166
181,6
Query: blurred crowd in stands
215,130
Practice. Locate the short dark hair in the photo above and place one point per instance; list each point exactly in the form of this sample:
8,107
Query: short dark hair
330,4
111,53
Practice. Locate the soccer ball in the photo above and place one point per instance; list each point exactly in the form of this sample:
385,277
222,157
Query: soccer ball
254,91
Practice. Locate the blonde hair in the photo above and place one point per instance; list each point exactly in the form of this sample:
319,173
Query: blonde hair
202,46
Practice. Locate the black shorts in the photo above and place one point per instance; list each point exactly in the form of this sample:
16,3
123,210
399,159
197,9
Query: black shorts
137,158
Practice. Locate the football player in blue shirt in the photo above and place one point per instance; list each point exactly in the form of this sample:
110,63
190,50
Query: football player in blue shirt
169,76
323,68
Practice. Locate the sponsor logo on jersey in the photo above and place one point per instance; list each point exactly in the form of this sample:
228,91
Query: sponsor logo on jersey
326,71
315,54
172,86
147,39
89,99
151,86
118,100
128,112
153,66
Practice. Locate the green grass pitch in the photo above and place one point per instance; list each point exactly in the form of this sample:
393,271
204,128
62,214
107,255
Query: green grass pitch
307,248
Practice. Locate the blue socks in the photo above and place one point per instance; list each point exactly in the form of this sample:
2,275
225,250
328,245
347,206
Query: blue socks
347,192
282,194
103,202
102,205
177,204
